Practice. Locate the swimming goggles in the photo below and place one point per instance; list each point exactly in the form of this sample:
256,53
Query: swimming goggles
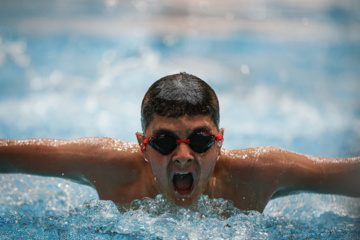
200,142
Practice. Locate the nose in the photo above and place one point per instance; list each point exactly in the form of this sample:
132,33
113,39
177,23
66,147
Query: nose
183,154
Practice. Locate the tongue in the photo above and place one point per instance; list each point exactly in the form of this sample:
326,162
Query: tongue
183,181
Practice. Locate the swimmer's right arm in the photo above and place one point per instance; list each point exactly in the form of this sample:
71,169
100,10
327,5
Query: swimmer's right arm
82,160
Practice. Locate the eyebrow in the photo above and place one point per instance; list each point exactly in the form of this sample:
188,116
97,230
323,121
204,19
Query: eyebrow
172,133
165,131
201,129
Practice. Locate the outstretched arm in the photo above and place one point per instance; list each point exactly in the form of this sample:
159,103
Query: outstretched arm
251,177
82,160
318,174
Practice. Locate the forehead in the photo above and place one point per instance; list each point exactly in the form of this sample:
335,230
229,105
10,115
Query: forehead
181,126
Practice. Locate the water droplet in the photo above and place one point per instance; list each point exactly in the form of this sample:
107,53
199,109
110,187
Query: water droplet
155,178
56,77
62,174
305,21
36,83
245,69
183,199
109,56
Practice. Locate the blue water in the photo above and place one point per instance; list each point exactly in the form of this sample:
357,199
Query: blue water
56,209
286,74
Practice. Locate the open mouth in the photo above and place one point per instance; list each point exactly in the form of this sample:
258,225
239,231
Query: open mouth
183,182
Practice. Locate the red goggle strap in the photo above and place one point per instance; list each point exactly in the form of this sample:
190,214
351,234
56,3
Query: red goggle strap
219,137
183,141
146,141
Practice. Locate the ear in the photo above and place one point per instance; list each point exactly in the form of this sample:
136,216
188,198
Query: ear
219,143
140,138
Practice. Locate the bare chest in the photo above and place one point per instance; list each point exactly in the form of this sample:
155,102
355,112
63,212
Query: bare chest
127,192
244,194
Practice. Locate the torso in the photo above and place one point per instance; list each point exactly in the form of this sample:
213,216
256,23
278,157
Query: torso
123,175
142,187
236,177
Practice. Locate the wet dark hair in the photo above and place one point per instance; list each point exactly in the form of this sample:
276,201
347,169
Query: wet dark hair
178,95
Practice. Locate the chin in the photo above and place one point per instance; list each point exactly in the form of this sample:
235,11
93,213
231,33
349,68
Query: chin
183,199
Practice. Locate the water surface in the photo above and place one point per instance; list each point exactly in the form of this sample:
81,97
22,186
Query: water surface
286,74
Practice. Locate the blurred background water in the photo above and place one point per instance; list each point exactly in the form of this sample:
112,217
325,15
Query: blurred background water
286,74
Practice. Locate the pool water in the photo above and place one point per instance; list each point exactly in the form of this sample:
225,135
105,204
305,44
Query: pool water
286,75
49,208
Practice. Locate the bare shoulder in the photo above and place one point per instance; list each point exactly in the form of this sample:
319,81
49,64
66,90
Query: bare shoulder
109,149
248,177
118,171
252,157
108,157
269,163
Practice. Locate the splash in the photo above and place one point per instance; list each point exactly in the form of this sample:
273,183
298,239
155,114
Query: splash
159,219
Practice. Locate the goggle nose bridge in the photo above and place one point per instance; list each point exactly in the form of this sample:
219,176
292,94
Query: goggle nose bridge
183,141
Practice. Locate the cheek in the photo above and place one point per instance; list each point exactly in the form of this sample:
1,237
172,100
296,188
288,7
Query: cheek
207,162
158,165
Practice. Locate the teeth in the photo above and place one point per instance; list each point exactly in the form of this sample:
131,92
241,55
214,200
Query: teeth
181,174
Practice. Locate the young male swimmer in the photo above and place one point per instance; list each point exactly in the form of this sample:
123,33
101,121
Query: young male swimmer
179,154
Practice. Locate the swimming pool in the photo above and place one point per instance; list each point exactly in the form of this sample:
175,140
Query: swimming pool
54,209
286,74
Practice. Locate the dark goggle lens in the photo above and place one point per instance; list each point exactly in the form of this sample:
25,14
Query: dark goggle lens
163,144
199,142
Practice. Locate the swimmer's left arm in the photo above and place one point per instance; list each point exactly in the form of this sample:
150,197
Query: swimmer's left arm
251,177
300,172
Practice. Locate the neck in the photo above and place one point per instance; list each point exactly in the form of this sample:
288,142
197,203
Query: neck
210,188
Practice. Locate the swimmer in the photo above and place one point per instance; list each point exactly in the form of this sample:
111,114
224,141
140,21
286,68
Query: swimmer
179,154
